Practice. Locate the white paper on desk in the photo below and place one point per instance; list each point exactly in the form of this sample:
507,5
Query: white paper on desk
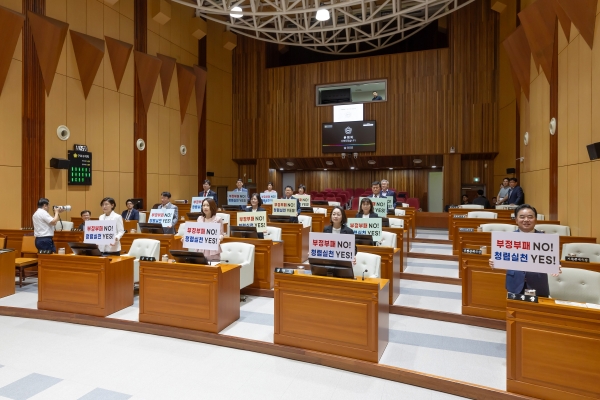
530,252
592,305
570,303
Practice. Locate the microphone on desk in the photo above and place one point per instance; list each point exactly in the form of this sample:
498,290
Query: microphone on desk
363,278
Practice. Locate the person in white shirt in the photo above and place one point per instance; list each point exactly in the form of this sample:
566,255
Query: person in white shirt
108,214
269,188
43,225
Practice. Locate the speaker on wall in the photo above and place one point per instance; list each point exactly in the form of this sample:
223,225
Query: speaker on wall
59,163
210,173
594,150
511,170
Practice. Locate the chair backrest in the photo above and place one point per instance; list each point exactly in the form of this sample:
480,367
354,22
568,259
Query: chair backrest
355,203
413,202
142,217
482,214
369,262
3,241
28,245
319,210
145,248
388,239
498,227
586,250
560,230
329,194
321,198
305,220
181,230
63,226
396,222
399,211
273,233
237,252
575,284
226,220
358,191
473,206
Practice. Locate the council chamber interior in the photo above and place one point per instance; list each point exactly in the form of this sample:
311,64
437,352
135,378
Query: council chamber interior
289,199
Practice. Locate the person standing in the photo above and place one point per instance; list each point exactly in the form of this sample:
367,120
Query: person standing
255,206
108,214
165,203
481,200
130,214
516,197
240,186
385,190
376,189
209,214
503,193
288,195
207,192
43,225
366,209
86,215
270,188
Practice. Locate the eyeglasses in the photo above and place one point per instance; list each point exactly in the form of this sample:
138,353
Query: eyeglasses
528,217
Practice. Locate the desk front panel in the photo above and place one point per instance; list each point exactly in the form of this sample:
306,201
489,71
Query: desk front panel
63,238
295,241
483,288
7,273
502,215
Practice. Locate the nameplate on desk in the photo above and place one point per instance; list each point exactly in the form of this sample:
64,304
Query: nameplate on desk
45,252
522,297
472,251
577,259
460,215
466,229
143,258
288,271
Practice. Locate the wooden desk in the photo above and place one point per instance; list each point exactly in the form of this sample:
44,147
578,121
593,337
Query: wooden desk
7,273
63,238
268,255
319,221
391,266
167,241
402,242
458,213
191,296
337,316
97,286
78,221
483,288
295,241
553,351
14,238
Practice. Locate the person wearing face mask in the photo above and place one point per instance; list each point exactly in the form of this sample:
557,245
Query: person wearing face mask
209,214
256,205
108,214
366,209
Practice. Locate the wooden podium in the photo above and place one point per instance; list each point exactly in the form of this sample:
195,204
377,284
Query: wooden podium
268,255
295,241
97,286
553,351
391,266
201,297
344,317
7,272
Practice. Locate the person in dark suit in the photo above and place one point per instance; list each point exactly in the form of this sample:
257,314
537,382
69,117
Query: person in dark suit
85,216
376,189
130,214
481,200
518,281
206,192
465,199
376,97
515,194
289,191
366,209
256,205
387,192
338,225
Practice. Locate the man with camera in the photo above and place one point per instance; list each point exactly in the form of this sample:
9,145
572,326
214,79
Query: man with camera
43,224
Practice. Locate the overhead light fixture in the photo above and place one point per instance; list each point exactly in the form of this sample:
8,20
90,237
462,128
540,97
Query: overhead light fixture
237,12
329,162
291,164
391,169
433,166
281,169
324,169
417,161
351,167
371,162
322,14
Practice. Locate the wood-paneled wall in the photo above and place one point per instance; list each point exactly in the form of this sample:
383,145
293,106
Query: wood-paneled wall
482,169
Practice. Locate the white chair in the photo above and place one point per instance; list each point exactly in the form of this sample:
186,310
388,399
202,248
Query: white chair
482,214
574,284
541,217
242,254
396,222
319,210
388,239
181,230
226,220
142,218
273,233
472,206
63,226
369,262
306,221
586,250
498,227
560,230
399,212
143,248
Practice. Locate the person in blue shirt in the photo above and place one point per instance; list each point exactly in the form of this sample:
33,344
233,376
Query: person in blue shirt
240,186
289,191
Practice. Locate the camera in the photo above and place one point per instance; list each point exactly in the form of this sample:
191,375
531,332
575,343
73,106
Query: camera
66,208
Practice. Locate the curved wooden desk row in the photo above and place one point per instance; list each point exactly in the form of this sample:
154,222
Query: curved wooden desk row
461,213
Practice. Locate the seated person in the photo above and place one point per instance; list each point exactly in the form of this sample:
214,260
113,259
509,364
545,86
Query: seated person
338,225
256,205
130,214
209,214
366,209
288,196
465,199
269,188
301,189
481,200
85,216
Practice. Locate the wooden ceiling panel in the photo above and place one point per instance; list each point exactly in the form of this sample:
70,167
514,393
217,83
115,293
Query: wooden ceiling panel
118,52
519,55
148,69
200,89
89,52
166,74
563,18
583,15
539,22
185,83
11,24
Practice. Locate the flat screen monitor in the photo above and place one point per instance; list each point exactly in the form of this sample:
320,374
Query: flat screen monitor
189,257
138,204
353,137
280,219
248,232
307,209
332,268
320,202
232,208
366,240
193,216
151,228
85,249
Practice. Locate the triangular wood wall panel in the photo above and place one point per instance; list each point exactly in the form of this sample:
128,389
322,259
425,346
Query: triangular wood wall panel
583,15
148,69
11,24
49,37
563,18
186,79
200,89
166,74
89,52
519,55
539,22
118,52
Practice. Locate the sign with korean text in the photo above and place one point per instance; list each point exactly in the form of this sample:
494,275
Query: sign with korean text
331,246
161,216
100,232
526,252
390,202
257,219
197,203
237,198
269,197
304,199
202,235
379,205
366,226
285,207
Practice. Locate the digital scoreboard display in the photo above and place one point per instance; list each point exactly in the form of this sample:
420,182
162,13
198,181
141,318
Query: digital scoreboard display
80,168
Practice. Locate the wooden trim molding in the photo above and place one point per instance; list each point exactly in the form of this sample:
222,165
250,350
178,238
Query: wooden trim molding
186,80
448,317
118,53
140,128
553,195
166,74
89,52
538,21
11,25
583,15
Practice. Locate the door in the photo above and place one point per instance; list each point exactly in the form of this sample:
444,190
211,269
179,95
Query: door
435,189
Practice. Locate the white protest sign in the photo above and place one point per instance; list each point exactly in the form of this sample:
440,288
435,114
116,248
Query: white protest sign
379,205
257,219
197,203
528,252
100,232
331,246
304,199
237,198
202,235
161,216
267,198
406,205
285,207
366,226
390,202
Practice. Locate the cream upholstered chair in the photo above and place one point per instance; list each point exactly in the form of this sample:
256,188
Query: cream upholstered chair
319,210
482,214
273,233
306,221
396,222
181,230
473,206
142,218
143,248
63,226
399,211
369,262
226,220
388,239
575,284
586,250
498,227
540,217
242,254
560,230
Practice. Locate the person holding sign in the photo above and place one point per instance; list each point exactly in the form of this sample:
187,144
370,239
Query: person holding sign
289,191
131,214
366,209
207,192
108,206
256,205
376,189
301,189
270,188
385,190
165,203
239,186
209,214
338,225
